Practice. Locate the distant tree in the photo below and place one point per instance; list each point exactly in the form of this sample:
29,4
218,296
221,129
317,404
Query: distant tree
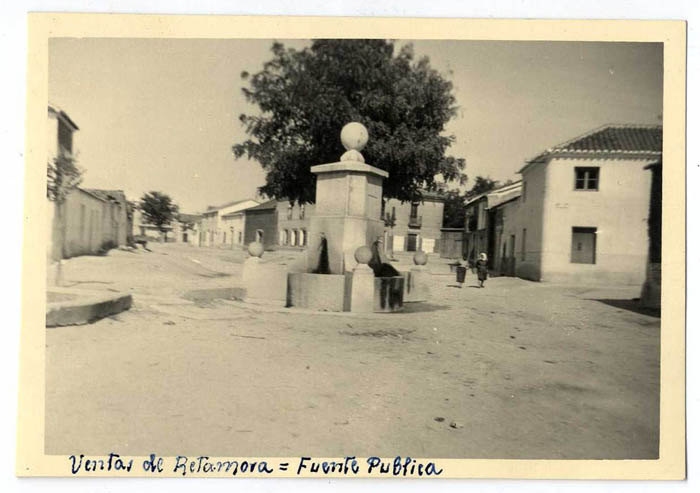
159,210
63,175
186,222
481,185
453,215
306,96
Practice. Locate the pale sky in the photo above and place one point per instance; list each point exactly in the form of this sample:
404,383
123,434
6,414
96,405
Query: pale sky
162,114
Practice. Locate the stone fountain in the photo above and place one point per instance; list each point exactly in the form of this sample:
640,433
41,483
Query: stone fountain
347,219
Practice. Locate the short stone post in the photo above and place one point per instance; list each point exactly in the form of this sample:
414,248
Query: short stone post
417,280
362,291
265,284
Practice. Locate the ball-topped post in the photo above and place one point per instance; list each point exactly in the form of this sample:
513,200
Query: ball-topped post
363,255
420,258
256,249
354,137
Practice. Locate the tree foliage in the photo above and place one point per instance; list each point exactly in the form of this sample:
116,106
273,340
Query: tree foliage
306,96
62,176
158,209
482,185
453,215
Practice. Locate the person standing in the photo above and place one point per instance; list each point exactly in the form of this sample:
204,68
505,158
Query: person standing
482,269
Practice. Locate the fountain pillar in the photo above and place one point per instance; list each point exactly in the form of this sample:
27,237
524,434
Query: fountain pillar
348,204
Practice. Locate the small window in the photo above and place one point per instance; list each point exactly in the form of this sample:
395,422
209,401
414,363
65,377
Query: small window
523,250
302,211
524,192
414,210
586,178
583,245
289,211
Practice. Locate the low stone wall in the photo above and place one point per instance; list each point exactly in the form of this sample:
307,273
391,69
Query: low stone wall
265,284
77,307
416,285
323,292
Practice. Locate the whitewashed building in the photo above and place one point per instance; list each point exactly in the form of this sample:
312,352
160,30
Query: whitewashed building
584,208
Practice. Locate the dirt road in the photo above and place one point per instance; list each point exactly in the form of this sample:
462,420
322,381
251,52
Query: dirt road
515,370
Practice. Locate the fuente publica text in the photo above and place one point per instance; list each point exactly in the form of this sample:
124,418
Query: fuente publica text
204,465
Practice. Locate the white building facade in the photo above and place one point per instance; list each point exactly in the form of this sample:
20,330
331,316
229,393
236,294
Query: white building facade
584,208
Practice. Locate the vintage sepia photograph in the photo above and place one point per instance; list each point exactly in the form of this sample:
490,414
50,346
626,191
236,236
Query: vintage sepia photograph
357,247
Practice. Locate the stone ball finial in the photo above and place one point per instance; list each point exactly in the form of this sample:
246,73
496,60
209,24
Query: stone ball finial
420,258
256,249
354,136
363,255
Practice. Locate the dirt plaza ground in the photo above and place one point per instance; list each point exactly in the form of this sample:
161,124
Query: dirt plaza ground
516,370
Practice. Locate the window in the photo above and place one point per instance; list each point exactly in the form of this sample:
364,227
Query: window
523,249
302,211
583,245
524,192
303,237
586,178
289,211
414,210
240,237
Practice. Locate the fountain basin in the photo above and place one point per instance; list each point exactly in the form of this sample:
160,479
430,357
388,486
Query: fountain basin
332,292
388,294
323,292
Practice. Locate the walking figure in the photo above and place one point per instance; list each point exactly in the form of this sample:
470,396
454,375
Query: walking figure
482,269
461,271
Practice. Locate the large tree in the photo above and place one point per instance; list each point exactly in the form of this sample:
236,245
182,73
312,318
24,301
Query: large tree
159,210
306,96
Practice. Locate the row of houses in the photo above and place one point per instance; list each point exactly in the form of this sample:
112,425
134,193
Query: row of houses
411,226
587,210
89,220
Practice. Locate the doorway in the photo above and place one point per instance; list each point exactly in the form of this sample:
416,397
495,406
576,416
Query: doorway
411,242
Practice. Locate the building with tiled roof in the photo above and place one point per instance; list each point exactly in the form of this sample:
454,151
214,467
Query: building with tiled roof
616,139
584,207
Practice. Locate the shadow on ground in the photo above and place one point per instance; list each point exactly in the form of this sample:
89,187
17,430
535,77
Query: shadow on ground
206,296
422,306
631,305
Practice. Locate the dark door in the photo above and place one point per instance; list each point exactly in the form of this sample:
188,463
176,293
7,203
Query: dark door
411,242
